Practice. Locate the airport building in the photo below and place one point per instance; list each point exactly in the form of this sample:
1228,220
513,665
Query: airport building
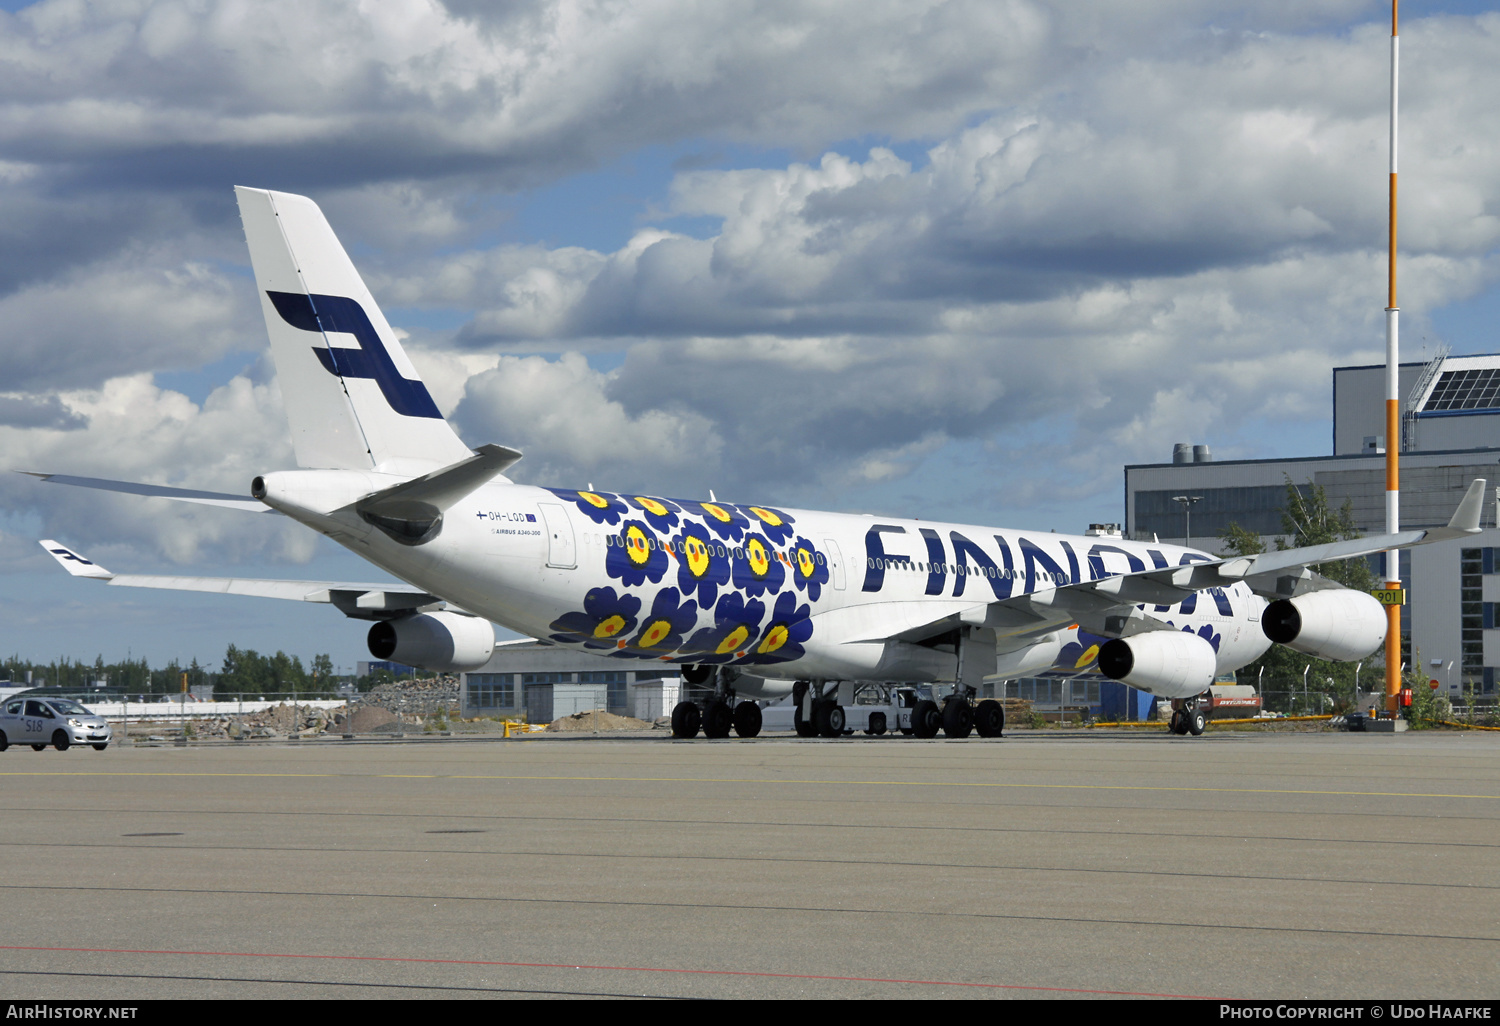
544,682
1450,434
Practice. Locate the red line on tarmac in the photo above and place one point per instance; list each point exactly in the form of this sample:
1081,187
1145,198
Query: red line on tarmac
608,968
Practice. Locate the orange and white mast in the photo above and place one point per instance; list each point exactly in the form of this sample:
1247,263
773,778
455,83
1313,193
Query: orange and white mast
1392,407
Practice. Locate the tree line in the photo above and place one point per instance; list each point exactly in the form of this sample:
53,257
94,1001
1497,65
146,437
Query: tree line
244,671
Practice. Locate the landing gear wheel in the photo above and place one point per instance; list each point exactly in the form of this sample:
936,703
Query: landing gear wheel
1178,723
958,718
1196,722
97,748
829,718
717,720
804,728
747,719
989,718
926,719
686,718
877,724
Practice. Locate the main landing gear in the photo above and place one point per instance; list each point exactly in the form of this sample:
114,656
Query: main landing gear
719,714
1189,715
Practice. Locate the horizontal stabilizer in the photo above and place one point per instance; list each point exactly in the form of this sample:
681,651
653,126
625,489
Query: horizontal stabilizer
431,494
240,502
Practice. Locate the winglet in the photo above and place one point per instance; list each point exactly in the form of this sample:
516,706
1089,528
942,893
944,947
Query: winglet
75,564
1466,518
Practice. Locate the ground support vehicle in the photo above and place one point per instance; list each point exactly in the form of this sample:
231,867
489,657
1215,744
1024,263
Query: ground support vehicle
59,722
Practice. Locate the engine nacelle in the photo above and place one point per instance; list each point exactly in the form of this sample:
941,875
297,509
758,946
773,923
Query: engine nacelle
1167,664
1335,624
445,642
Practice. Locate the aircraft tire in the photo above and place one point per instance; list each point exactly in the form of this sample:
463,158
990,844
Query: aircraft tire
926,719
686,718
718,720
989,718
747,719
829,718
958,718
804,728
1196,722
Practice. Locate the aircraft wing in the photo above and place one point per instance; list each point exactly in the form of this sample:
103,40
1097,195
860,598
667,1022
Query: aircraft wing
240,502
1109,606
361,601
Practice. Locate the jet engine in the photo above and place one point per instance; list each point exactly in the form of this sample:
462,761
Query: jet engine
1168,664
1334,624
445,642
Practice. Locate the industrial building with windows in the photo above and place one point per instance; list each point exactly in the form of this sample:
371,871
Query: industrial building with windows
543,682
1450,434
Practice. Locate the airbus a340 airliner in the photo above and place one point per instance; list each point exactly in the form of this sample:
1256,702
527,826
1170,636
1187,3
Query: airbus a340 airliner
757,600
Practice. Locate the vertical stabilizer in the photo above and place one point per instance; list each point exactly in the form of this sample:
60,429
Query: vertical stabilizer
354,400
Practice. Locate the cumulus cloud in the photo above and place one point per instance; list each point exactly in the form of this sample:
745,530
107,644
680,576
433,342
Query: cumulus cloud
1096,229
132,430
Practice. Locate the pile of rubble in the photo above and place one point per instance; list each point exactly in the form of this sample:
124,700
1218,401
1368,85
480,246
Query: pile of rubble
306,721
597,720
434,688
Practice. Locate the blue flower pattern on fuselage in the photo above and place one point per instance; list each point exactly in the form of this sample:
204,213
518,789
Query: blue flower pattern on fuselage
736,626
809,568
605,619
722,519
703,564
600,507
662,629
757,567
776,524
730,566
784,636
661,514
635,556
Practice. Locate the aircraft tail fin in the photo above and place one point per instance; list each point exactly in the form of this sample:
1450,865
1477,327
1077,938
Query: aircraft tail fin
353,399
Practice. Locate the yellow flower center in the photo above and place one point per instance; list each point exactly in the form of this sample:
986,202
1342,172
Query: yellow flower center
775,638
697,557
635,545
805,562
595,500
659,629
610,626
759,561
766,515
735,639
652,506
716,512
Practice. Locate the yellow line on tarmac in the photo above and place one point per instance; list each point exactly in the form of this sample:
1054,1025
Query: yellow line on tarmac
795,782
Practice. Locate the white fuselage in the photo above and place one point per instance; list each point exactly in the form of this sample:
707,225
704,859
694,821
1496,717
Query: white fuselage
782,594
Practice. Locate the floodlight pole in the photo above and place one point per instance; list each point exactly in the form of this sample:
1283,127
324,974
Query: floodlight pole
1392,412
1187,502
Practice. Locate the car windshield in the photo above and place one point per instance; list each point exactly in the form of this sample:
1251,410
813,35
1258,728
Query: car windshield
68,707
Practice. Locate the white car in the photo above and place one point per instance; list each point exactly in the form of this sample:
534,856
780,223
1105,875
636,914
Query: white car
60,722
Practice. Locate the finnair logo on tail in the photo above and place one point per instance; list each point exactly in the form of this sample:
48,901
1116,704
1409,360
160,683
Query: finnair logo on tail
338,313
65,554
